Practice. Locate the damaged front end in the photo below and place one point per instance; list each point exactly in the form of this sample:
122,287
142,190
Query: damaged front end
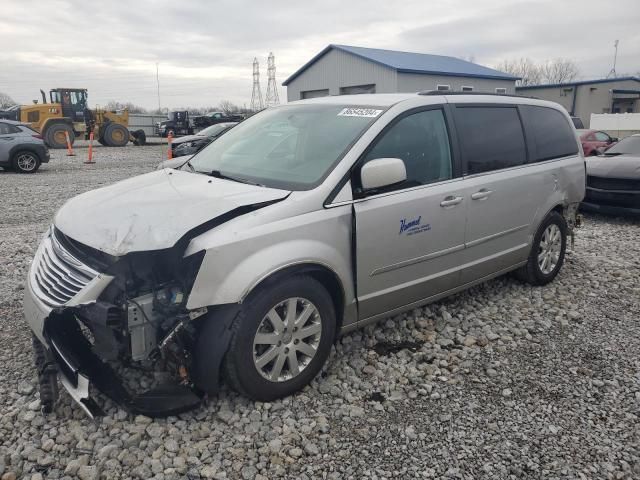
101,320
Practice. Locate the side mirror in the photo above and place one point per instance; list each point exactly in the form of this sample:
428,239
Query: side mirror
382,172
613,139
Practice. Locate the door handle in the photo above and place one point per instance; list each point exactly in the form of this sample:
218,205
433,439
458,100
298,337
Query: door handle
450,201
481,195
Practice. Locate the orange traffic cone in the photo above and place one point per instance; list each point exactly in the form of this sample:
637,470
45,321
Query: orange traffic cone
169,141
90,159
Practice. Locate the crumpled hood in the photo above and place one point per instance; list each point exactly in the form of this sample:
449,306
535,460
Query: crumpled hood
153,211
623,166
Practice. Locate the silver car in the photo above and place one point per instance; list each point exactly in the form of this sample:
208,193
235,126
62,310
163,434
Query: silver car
304,221
21,148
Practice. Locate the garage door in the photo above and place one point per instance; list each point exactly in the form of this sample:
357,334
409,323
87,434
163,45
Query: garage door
357,89
314,93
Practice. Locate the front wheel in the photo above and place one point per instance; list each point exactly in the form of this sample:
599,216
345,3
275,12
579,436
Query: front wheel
282,338
26,162
547,253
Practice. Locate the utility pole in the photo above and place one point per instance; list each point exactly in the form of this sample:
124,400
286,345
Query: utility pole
158,85
613,73
256,95
272,89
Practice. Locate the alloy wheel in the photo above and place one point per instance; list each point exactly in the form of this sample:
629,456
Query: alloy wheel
26,162
550,247
287,339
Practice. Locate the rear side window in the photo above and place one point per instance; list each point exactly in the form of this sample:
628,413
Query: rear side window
6,129
550,133
491,138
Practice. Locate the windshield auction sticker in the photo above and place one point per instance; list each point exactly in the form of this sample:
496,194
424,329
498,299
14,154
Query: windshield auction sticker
359,112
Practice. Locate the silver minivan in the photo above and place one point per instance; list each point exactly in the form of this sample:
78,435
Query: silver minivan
304,221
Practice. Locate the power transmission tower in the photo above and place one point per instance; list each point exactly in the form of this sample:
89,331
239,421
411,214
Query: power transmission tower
256,96
272,89
613,73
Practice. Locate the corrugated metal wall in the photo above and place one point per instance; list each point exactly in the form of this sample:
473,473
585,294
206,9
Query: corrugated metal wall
590,98
340,69
416,82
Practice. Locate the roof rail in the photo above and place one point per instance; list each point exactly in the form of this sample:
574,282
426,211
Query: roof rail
449,92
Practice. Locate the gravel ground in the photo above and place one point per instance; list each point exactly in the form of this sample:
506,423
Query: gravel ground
502,381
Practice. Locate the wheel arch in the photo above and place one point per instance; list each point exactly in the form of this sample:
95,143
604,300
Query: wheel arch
22,148
320,272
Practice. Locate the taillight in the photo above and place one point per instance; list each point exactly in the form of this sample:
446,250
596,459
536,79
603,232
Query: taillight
37,135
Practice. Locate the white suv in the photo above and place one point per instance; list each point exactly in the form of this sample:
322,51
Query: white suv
304,221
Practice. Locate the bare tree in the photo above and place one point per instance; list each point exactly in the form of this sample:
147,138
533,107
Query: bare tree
525,68
560,70
228,107
133,108
6,101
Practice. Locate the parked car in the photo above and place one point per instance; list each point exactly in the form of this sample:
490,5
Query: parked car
304,221
21,148
613,179
212,118
595,142
192,144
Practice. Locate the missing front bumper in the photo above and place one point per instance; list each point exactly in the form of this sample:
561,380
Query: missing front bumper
78,368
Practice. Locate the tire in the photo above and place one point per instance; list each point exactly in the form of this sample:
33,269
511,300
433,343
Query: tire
140,138
55,138
240,368
536,272
116,135
25,161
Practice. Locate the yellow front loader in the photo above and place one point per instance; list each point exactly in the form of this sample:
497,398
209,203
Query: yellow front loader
66,112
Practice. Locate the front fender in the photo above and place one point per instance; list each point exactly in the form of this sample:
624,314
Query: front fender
217,286
237,260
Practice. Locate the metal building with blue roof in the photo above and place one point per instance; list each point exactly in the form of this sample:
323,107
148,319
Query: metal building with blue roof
343,70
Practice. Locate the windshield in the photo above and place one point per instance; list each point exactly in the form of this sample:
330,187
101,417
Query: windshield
291,147
628,145
214,130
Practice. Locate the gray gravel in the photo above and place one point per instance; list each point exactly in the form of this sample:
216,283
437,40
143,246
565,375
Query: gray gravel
502,381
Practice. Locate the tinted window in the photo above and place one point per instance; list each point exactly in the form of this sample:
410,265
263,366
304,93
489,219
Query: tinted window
491,138
6,129
602,137
550,132
422,142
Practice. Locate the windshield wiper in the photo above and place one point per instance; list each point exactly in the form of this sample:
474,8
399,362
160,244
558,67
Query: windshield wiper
219,174
612,154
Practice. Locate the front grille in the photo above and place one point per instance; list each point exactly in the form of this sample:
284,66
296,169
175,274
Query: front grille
58,276
603,183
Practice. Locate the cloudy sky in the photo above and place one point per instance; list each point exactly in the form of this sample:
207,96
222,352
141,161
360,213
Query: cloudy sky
205,48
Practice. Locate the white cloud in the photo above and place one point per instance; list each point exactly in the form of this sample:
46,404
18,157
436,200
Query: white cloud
205,49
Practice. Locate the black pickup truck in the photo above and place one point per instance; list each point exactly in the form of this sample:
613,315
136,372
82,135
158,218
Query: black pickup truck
215,117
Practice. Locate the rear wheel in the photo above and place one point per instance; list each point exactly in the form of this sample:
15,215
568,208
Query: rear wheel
26,162
282,338
55,135
116,135
547,253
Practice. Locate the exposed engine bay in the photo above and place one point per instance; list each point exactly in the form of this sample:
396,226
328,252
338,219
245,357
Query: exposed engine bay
139,322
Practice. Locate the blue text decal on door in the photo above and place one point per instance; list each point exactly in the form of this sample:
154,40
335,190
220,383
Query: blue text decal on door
413,226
